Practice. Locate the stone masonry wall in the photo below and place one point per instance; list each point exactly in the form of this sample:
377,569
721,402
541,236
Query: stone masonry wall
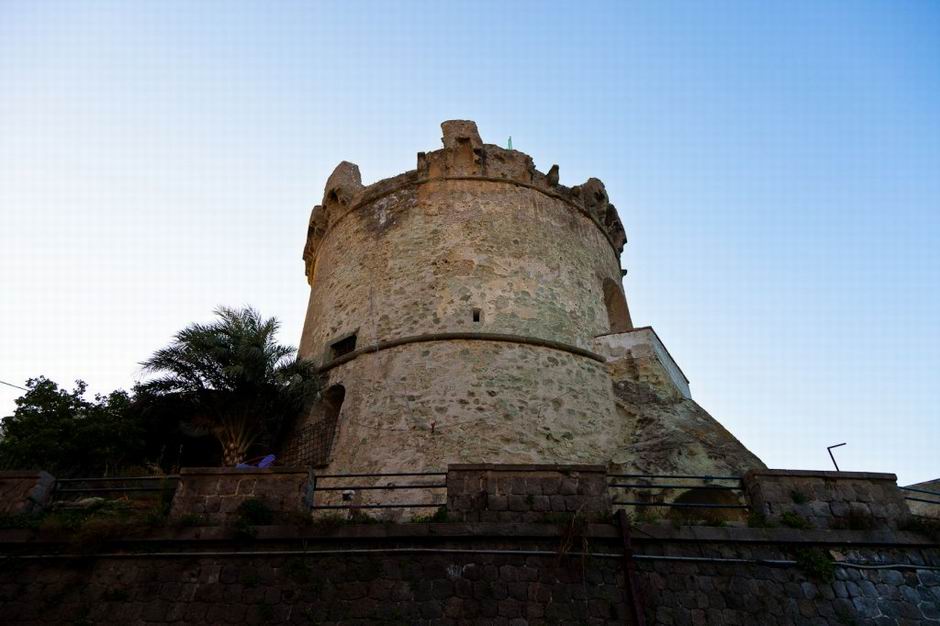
455,573
215,494
827,499
900,586
474,241
390,588
525,493
455,401
24,492
460,233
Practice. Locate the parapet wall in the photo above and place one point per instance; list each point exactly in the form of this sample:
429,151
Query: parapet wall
216,493
464,157
540,561
827,499
525,493
505,573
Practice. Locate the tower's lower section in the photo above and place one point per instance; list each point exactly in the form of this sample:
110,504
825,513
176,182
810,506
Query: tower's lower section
427,404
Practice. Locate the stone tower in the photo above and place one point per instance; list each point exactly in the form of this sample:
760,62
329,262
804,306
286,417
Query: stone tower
471,311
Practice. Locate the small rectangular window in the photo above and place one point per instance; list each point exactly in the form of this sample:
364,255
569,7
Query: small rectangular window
343,346
477,315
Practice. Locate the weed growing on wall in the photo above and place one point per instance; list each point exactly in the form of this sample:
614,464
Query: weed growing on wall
815,563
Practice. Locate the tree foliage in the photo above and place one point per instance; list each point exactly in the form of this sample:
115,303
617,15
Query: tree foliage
231,379
65,433
228,382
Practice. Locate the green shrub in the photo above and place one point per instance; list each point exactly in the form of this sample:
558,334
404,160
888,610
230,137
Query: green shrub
191,519
756,519
798,497
440,515
815,563
795,520
297,570
255,512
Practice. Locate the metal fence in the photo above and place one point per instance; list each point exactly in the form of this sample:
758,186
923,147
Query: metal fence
919,509
68,489
428,490
349,486
620,485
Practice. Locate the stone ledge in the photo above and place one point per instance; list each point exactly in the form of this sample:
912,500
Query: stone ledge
228,471
823,474
549,467
715,534
643,534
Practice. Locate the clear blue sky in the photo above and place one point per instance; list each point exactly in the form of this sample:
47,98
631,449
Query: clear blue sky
777,170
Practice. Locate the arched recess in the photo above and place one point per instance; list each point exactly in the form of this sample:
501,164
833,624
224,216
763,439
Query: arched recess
618,315
312,441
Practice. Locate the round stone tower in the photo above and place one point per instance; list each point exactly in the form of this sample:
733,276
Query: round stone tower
453,310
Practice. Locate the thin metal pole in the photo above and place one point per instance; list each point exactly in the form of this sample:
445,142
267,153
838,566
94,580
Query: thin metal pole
629,571
829,450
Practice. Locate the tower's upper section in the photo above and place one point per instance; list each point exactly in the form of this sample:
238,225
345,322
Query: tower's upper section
475,241
464,157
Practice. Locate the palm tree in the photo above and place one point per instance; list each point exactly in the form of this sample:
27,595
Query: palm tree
233,379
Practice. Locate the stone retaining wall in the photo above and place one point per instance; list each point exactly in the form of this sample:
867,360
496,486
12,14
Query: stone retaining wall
841,500
461,573
525,493
900,589
215,494
392,586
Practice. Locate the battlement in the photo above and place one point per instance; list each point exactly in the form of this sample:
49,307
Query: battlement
463,157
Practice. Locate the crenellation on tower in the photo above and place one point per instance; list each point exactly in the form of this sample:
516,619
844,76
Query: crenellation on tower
464,157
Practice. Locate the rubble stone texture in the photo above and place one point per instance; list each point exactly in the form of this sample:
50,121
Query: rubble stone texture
922,505
459,306
525,493
215,494
856,500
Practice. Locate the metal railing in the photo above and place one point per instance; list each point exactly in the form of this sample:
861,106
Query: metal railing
649,482
143,486
918,490
428,482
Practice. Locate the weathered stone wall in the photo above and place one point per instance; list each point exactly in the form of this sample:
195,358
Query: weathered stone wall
525,493
925,504
465,583
423,406
420,260
24,492
827,499
215,494
475,240
640,355
886,584
467,574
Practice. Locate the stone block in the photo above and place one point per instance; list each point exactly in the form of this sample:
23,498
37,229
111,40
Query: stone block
497,502
834,496
529,491
519,503
25,492
218,493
